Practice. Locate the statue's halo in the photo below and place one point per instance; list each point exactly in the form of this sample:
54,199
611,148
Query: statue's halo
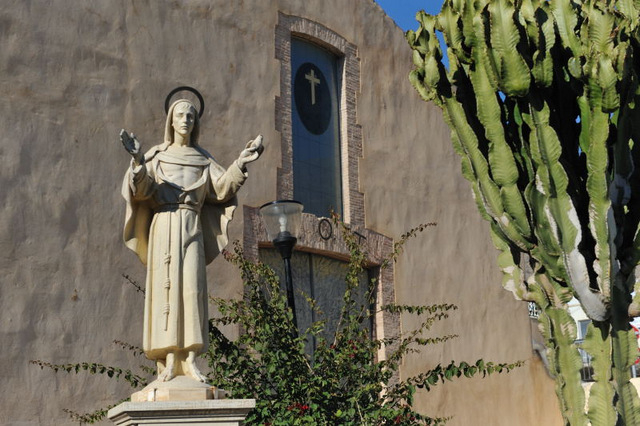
167,101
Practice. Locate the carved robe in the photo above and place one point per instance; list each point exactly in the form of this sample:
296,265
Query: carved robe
176,231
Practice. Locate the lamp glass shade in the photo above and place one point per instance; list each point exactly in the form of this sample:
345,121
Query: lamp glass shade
282,217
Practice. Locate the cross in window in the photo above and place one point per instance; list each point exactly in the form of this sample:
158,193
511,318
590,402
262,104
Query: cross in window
313,80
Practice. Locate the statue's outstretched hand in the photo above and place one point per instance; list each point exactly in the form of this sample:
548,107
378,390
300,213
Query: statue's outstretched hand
132,145
251,152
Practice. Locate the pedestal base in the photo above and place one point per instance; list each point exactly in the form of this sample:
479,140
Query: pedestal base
181,388
225,412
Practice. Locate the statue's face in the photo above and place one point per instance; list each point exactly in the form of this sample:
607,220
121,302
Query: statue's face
183,120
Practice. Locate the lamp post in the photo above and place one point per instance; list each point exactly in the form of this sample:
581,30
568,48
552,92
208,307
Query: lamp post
282,218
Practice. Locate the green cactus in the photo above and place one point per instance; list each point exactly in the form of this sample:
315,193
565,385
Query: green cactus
543,101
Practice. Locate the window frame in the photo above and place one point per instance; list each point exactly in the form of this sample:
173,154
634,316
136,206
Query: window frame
350,133
309,189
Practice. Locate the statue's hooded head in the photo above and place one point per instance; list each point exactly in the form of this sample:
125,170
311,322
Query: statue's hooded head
181,105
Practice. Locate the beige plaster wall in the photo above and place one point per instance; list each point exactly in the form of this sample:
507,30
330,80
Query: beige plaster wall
73,74
451,263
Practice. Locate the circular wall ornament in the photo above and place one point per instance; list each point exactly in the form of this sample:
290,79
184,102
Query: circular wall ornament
167,101
312,98
325,229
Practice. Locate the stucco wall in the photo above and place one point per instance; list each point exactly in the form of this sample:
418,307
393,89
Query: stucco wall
451,263
74,74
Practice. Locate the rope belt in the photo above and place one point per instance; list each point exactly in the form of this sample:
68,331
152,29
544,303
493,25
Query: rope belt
172,207
167,281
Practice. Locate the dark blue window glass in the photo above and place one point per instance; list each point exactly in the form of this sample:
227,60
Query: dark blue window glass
316,137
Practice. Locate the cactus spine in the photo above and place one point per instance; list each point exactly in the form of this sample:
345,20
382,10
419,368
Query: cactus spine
542,98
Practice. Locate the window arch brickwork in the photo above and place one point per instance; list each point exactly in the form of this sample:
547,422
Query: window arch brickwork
350,131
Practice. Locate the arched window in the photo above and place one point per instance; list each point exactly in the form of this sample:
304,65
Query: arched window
315,135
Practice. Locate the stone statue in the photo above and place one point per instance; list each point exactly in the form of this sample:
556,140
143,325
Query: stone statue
179,203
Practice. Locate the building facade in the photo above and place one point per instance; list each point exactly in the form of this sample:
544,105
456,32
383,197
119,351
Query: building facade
326,83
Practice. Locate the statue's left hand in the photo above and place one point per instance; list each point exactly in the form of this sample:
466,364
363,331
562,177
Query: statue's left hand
251,152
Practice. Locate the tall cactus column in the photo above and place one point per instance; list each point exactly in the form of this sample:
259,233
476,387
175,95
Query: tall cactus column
541,98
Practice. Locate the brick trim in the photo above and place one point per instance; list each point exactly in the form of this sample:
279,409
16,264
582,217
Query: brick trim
350,130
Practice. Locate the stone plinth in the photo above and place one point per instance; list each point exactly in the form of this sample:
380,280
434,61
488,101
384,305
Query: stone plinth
181,388
225,412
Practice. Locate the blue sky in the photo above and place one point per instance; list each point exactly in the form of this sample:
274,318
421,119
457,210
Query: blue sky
404,11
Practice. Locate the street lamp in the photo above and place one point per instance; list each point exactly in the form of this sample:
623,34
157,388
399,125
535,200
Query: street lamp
282,219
